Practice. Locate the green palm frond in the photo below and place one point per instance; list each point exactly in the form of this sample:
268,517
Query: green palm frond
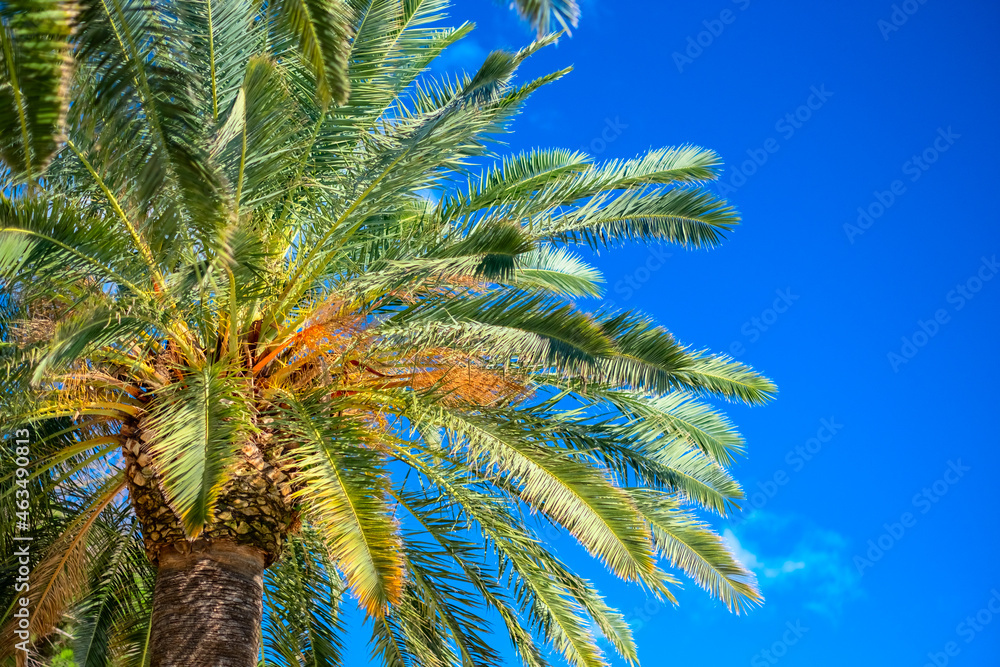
196,430
439,521
648,357
323,31
35,68
664,422
664,166
302,598
52,241
514,179
540,13
686,216
698,478
695,548
720,375
345,485
60,577
573,493
559,271
112,620
531,327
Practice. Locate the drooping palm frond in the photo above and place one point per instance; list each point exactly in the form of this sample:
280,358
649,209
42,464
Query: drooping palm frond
323,33
112,620
267,248
345,486
303,595
35,68
195,431
541,13
692,546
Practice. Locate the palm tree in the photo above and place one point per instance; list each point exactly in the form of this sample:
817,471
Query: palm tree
278,332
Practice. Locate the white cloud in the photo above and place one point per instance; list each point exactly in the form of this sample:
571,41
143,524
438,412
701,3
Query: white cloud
791,553
786,567
748,559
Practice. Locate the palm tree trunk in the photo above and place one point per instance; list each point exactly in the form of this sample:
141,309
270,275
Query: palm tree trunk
207,606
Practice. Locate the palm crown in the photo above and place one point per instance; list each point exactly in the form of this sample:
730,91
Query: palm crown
258,290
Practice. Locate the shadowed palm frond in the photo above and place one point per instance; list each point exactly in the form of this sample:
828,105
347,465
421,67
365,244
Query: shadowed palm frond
541,13
35,69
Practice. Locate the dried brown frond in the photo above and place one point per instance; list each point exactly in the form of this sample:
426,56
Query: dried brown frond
471,386
29,332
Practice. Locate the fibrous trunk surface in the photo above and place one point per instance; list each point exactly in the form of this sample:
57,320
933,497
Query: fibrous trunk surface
207,606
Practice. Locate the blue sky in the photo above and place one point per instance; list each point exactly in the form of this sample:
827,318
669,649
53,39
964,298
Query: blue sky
861,142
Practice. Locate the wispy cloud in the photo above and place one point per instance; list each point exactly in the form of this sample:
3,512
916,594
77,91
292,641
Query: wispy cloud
793,555
786,567
748,558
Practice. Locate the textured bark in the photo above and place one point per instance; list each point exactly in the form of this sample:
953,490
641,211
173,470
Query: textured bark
207,606
254,506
